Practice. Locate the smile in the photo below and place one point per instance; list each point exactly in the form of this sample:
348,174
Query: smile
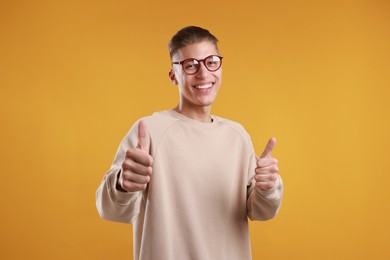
205,86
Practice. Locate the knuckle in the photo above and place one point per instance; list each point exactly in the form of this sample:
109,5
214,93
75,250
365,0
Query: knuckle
144,180
124,164
127,164
143,170
130,176
132,186
126,185
258,163
149,161
129,153
125,175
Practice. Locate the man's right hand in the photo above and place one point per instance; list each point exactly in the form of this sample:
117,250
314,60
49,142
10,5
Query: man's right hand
137,166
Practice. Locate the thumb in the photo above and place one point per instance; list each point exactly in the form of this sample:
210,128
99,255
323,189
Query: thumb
269,147
143,137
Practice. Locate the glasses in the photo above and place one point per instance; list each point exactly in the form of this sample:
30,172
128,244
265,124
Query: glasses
192,66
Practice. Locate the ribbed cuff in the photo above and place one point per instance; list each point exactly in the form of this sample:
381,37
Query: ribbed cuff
122,198
272,193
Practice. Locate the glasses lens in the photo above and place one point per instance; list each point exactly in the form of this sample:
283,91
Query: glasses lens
213,63
191,66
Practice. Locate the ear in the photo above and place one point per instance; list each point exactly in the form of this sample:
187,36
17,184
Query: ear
172,77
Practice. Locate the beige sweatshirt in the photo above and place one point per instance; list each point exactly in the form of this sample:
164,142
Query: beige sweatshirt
200,195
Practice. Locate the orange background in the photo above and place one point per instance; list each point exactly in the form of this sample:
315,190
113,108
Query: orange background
75,75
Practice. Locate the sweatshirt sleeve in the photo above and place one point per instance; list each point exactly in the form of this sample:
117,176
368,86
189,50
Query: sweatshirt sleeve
112,204
263,205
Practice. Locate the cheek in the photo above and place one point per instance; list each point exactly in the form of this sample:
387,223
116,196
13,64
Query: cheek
185,81
218,75
184,84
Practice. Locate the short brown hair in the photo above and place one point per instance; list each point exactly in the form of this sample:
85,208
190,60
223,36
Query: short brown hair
189,35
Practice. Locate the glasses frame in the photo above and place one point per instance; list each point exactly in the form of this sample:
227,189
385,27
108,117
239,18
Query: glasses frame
199,61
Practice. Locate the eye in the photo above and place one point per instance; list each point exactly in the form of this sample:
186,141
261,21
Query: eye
190,65
213,61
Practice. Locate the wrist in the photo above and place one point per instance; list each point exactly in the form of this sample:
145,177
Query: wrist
118,187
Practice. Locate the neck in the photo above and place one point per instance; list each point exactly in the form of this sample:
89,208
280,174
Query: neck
201,114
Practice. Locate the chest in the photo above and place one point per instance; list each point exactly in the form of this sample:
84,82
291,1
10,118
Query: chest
202,158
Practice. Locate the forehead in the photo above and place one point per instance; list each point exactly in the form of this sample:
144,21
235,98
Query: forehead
198,50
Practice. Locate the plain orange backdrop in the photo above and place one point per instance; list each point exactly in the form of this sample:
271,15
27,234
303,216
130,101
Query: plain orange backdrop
75,75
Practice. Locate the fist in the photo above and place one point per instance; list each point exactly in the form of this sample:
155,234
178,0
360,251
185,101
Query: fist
137,165
266,172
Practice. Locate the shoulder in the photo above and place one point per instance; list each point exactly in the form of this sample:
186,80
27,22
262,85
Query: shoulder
235,126
237,129
155,123
159,121
158,124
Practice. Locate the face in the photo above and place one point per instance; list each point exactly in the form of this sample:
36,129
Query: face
200,89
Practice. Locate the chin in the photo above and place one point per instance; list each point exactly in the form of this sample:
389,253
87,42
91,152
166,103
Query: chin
206,103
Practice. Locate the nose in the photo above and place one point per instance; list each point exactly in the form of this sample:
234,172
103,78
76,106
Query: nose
203,71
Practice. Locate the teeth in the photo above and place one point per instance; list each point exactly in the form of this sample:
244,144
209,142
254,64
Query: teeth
204,86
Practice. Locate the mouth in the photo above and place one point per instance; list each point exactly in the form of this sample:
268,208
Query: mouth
204,87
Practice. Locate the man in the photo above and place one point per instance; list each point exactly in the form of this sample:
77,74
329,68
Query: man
188,180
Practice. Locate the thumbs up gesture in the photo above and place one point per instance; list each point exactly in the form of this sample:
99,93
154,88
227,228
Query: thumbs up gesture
137,165
267,168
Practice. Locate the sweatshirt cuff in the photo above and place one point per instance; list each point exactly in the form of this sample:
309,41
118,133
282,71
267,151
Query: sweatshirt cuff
273,193
120,197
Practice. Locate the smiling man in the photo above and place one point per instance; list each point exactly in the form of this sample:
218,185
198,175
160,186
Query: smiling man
188,180
198,85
